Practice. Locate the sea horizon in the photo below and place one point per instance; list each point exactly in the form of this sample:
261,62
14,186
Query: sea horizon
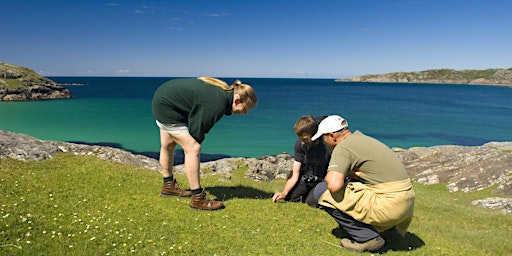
116,111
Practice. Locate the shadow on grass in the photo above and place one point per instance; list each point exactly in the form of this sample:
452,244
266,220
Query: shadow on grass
226,193
394,241
179,156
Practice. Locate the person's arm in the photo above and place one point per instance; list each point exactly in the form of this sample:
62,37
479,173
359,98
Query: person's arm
200,120
335,181
290,183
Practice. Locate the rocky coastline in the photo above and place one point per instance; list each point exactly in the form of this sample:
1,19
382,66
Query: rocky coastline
23,84
463,168
495,77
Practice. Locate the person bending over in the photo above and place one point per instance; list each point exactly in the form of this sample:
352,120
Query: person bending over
309,163
366,189
185,110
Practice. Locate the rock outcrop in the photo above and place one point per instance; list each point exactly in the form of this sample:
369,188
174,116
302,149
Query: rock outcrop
23,84
27,148
463,168
502,77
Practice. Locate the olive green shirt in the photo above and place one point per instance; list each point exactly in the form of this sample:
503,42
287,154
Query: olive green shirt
193,102
366,159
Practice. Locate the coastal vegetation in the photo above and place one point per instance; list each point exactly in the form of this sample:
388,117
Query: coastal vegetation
494,76
12,76
76,205
21,83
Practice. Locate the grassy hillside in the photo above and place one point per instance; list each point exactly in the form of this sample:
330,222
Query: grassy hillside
21,84
12,76
73,205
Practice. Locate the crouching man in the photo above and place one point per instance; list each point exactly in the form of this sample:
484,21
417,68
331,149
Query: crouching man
366,189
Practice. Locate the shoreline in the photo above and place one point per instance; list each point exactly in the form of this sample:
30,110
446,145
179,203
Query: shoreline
347,80
461,168
487,77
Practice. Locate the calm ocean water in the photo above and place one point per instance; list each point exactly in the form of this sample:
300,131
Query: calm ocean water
117,112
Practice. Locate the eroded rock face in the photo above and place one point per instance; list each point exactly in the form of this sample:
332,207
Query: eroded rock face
464,168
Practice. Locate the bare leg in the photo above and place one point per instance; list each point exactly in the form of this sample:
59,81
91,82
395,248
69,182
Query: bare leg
166,153
192,151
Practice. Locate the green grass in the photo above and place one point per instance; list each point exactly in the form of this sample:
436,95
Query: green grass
10,83
73,205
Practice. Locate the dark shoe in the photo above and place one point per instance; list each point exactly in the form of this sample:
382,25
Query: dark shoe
171,188
370,245
390,234
200,202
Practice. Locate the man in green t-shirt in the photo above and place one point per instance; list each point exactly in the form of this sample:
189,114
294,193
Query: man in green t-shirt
366,189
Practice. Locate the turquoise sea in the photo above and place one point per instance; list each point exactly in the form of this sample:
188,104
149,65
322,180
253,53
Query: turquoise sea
116,111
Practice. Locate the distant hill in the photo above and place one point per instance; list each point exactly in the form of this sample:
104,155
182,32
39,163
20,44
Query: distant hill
495,76
23,84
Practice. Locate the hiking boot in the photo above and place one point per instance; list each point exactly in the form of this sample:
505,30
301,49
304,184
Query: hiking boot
171,188
200,202
370,245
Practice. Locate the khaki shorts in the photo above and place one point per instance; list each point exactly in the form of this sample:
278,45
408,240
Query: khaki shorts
173,129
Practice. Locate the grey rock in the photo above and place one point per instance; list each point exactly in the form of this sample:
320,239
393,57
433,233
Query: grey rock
463,168
27,148
24,147
497,203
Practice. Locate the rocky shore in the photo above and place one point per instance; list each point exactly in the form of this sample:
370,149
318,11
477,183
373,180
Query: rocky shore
23,84
463,168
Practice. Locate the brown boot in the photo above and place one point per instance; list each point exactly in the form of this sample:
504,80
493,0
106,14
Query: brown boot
370,245
171,188
200,202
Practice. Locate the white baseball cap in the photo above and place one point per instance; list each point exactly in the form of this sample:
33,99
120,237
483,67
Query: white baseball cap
330,124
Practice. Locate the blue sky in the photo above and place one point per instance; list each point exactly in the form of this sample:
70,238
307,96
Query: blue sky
254,38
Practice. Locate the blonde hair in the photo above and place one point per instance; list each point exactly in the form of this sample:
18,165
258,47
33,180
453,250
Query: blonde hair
245,91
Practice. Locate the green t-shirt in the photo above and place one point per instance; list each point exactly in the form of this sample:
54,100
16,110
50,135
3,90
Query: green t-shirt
366,158
193,102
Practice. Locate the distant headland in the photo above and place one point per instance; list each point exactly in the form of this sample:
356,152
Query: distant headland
23,84
496,76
